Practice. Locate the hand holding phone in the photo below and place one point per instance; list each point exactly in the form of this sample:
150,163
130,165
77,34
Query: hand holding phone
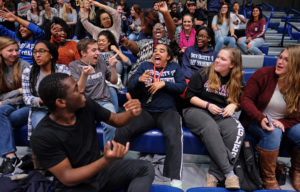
269,120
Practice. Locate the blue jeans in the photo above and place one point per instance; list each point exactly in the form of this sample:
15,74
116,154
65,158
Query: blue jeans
114,98
270,140
133,37
37,116
108,130
10,117
224,40
254,50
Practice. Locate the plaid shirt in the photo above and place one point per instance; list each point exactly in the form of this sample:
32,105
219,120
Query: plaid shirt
29,98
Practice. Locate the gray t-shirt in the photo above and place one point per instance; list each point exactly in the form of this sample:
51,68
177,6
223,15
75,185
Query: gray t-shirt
96,87
277,106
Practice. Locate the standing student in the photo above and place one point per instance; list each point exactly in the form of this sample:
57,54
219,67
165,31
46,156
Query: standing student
214,95
65,142
13,113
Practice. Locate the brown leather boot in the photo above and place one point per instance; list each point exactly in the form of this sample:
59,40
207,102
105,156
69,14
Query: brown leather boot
296,169
267,163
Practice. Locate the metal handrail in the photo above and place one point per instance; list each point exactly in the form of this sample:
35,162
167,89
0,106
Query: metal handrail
288,29
271,15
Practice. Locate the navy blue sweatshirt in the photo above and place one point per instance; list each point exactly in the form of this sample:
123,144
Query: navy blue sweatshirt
165,98
194,59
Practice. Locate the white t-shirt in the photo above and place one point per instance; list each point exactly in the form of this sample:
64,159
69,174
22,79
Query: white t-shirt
240,25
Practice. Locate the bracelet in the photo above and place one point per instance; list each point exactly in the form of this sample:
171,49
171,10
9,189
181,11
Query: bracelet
207,105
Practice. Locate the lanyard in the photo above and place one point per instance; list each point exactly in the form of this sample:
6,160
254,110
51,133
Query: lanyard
154,74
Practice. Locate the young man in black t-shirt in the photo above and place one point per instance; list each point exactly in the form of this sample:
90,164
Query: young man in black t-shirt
65,142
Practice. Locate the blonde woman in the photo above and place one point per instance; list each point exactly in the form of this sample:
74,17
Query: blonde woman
69,14
222,26
88,10
274,92
13,114
213,94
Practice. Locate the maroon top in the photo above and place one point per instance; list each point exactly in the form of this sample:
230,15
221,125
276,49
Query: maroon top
257,95
256,29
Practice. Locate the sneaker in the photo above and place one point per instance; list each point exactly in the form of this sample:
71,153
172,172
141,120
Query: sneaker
232,182
211,181
176,183
9,164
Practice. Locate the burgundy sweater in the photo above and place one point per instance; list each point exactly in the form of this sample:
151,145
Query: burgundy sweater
257,95
256,29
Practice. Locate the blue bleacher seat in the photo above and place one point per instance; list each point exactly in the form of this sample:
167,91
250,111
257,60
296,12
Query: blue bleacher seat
248,73
272,190
269,61
211,189
264,49
164,188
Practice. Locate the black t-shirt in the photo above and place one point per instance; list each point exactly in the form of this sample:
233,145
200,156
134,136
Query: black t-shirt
177,15
52,143
198,86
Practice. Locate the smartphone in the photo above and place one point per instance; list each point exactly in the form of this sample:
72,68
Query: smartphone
269,120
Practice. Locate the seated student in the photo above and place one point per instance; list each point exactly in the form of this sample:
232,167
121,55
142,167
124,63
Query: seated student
65,142
108,47
107,18
275,92
159,82
199,16
33,14
155,33
222,26
136,25
200,55
67,50
27,34
48,13
23,7
255,33
213,95
239,21
13,113
88,11
95,87
176,16
44,63
69,15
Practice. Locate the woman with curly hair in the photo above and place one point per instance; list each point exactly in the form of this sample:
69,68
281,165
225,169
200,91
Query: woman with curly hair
213,94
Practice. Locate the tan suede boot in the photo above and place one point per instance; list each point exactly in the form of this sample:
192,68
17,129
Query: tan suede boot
267,163
296,169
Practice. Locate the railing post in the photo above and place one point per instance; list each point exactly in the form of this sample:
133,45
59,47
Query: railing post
284,30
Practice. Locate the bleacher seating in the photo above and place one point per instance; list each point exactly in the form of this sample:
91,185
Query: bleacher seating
211,189
153,140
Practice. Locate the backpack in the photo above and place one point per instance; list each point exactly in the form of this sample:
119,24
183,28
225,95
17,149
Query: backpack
247,170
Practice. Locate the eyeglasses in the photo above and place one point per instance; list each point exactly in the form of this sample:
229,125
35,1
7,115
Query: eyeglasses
41,51
224,7
202,37
105,18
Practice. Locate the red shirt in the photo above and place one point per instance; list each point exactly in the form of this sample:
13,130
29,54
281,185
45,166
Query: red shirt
256,29
68,53
257,95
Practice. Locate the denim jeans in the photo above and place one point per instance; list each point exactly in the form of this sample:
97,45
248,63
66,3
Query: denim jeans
10,117
37,116
133,37
270,140
224,40
254,50
108,130
114,98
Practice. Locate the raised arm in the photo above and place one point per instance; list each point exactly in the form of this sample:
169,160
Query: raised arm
163,8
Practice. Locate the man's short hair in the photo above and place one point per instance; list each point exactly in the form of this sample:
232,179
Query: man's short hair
83,44
52,88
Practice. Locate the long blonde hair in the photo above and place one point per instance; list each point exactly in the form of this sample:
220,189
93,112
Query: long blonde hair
220,16
65,12
92,13
236,77
291,88
4,85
